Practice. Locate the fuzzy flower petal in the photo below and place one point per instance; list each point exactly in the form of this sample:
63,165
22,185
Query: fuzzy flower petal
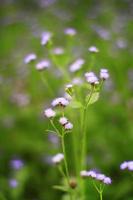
44,64
49,113
58,158
63,120
68,126
93,49
60,101
30,57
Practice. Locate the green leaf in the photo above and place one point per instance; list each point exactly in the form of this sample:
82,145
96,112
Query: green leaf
75,104
59,187
94,97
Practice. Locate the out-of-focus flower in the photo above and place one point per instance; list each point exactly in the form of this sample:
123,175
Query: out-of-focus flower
58,158
93,49
53,139
76,65
63,120
104,74
30,57
70,31
46,36
13,183
20,99
60,101
43,64
77,81
68,126
127,165
49,113
46,3
16,164
58,51
121,43
91,78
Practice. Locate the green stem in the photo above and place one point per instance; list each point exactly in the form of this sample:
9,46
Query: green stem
101,196
44,80
65,162
62,172
91,92
83,145
56,130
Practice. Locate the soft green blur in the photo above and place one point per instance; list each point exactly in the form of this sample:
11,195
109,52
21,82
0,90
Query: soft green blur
105,24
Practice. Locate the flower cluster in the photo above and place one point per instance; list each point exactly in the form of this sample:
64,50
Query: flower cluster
64,122
93,79
127,165
97,176
50,113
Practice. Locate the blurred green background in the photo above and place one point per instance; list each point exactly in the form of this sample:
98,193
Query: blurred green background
23,96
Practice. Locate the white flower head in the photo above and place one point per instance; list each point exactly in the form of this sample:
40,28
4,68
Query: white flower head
83,173
60,101
104,74
57,158
76,65
30,57
46,36
68,86
68,126
91,78
70,31
93,49
44,64
49,113
58,51
63,120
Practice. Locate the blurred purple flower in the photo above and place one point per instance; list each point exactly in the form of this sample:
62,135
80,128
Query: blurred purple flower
16,164
13,183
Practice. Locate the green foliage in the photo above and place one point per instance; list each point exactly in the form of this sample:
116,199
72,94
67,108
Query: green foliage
109,121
